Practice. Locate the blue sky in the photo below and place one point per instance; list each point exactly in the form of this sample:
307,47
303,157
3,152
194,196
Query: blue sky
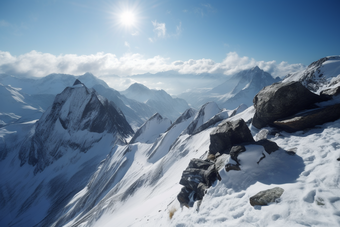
165,33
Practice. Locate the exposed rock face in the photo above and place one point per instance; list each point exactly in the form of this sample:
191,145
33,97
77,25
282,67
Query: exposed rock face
228,134
266,197
196,179
281,100
76,112
310,119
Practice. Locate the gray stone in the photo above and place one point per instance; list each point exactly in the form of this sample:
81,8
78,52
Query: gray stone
196,179
266,197
281,100
228,134
309,119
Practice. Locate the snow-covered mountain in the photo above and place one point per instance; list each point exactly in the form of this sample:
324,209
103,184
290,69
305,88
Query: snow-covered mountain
136,113
240,88
137,183
41,92
319,74
151,129
58,156
158,100
18,107
51,84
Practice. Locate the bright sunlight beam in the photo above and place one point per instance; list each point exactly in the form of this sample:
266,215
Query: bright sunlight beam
127,19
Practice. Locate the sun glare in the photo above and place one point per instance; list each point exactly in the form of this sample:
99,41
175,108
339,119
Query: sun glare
127,19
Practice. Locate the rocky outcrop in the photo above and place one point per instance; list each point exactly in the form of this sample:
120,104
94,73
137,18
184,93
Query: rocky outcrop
309,119
266,197
196,179
281,100
228,134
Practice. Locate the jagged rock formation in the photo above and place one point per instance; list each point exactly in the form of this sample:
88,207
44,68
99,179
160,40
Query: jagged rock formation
76,111
196,179
266,197
228,134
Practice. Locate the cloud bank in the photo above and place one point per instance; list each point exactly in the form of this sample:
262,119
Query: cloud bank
39,64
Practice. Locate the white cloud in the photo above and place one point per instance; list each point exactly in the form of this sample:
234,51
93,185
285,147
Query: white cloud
39,64
127,44
151,40
159,28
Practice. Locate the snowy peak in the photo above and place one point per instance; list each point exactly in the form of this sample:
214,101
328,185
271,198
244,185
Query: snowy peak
151,129
77,119
206,112
160,101
77,82
185,116
319,74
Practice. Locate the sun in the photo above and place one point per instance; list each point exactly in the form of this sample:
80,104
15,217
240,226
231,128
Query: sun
127,19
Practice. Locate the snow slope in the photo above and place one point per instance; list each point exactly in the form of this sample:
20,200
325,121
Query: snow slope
57,157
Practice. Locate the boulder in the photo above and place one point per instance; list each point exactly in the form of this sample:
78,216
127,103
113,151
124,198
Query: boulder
196,179
228,134
309,119
266,197
281,100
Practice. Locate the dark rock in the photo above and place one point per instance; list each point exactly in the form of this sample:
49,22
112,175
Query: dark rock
199,164
235,151
77,82
227,134
196,179
268,145
230,166
309,119
266,197
184,197
281,100
201,190
338,159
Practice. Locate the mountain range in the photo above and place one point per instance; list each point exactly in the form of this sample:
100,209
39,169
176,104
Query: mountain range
98,157
240,88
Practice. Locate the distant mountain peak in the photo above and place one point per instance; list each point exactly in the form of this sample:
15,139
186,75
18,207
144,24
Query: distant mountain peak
77,82
256,68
